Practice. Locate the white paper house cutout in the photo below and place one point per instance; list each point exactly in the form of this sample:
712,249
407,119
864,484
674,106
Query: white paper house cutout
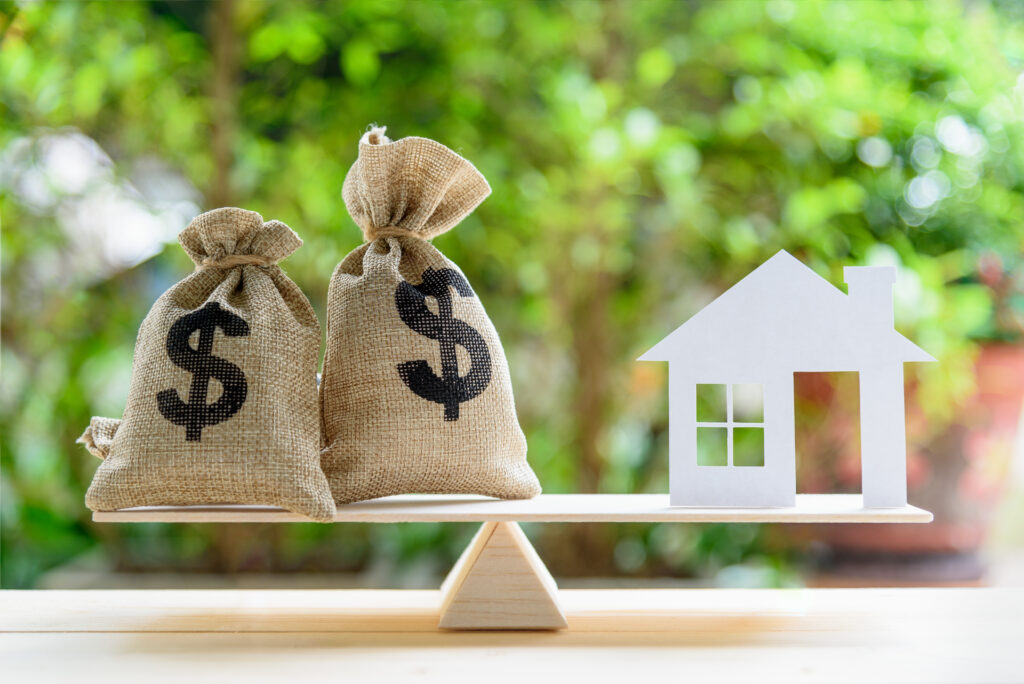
784,318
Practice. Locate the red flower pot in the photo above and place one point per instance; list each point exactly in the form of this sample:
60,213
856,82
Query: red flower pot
959,474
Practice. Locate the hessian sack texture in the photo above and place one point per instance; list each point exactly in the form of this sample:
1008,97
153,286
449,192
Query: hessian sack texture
416,395
222,405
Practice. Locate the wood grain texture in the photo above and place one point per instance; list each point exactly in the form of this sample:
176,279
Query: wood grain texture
499,582
810,508
587,610
716,635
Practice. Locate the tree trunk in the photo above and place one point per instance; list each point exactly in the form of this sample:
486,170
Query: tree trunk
591,330
229,550
223,100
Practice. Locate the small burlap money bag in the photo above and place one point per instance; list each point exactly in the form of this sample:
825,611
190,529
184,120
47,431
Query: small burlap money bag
416,395
222,406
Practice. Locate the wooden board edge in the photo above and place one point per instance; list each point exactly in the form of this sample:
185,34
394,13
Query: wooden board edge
226,514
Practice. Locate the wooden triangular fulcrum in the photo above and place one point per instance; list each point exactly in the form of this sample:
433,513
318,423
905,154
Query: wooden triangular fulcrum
500,582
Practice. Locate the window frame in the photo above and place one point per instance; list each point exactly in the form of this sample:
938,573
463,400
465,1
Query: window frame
730,424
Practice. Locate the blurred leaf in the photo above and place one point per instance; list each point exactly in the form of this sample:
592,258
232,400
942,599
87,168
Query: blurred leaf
360,62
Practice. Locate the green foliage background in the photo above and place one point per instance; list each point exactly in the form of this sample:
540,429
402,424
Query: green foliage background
644,155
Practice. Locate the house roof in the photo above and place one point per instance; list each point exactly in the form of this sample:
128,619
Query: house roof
785,316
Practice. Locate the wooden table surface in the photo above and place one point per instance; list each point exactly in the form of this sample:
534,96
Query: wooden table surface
685,635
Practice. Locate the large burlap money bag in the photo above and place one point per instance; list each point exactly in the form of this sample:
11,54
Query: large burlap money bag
416,395
222,406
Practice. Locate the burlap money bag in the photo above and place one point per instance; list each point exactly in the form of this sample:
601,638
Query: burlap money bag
222,405
416,395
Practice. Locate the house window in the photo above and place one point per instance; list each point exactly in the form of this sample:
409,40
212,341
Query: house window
730,425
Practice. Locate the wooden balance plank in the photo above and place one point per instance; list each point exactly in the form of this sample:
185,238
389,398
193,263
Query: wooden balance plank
575,508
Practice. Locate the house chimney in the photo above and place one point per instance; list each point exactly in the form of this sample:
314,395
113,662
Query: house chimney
870,290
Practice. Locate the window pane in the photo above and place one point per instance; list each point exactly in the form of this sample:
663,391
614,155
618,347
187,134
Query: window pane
711,447
711,404
748,446
748,403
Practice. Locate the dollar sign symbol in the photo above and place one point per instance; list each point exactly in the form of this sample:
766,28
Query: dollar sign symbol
197,414
450,389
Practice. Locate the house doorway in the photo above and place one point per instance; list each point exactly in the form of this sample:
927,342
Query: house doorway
827,414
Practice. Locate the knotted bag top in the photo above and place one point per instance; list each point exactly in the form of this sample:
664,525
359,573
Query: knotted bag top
228,237
410,186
